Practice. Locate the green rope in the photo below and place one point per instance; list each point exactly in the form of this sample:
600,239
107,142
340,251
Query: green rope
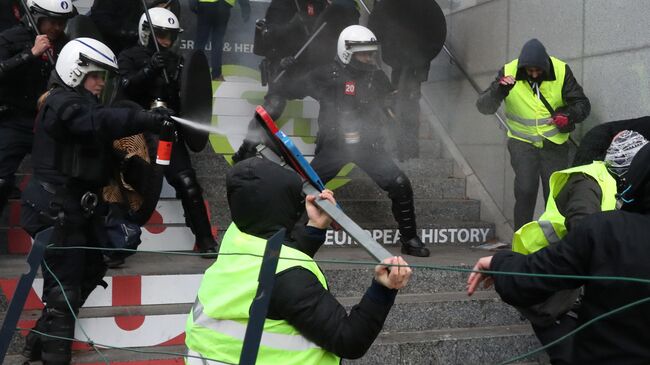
374,263
578,329
361,263
122,348
74,315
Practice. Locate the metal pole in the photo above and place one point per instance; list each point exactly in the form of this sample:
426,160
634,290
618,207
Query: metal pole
32,23
25,282
153,35
302,49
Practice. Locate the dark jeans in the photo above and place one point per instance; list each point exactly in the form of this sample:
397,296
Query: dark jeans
530,164
211,22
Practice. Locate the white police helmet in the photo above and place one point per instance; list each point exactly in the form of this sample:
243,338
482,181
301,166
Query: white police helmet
164,21
62,9
622,150
82,56
353,39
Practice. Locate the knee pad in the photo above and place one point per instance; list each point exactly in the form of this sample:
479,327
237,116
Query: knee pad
186,185
400,188
56,303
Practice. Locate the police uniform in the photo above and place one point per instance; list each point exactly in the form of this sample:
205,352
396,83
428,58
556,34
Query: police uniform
23,78
72,161
350,130
145,85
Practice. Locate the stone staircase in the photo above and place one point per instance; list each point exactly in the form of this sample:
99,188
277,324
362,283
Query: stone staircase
433,321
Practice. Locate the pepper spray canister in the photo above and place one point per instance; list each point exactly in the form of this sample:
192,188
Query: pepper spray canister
165,143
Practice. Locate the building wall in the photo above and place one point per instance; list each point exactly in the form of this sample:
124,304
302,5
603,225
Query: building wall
605,42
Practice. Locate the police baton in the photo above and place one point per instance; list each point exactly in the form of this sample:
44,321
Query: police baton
33,25
153,35
302,49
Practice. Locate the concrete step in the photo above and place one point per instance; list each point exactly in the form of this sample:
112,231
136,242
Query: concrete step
349,272
214,165
362,188
136,326
473,346
466,346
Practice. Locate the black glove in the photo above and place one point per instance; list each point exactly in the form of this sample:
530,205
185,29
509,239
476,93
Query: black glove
157,61
150,121
287,62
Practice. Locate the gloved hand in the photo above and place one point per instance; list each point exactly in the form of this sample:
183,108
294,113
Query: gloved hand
151,121
506,83
287,62
562,123
157,61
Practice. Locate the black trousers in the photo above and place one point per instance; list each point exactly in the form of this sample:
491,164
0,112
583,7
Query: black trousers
74,272
530,165
378,164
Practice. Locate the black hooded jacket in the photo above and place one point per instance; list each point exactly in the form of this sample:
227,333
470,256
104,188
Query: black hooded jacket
594,144
612,243
265,197
23,76
534,54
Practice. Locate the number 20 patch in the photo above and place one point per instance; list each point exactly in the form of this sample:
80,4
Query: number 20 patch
350,88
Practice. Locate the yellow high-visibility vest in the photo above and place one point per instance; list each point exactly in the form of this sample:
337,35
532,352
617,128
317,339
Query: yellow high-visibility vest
217,323
527,118
550,228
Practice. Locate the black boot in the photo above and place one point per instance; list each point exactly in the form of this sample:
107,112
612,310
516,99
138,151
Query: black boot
33,344
414,247
401,195
59,323
196,215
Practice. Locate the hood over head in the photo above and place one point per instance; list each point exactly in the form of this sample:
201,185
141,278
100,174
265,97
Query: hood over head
533,54
636,197
264,197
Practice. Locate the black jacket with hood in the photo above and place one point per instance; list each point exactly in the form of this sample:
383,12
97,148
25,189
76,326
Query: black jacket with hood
594,144
264,197
533,54
611,243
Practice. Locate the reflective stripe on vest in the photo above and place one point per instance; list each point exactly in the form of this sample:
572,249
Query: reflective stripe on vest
527,118
550,228
216,326
549,231
238,330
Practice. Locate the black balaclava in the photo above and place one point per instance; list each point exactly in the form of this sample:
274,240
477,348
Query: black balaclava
264,197
636,197
533,54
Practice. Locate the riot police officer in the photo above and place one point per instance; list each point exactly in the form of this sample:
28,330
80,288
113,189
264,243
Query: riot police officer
278,37
117,20
142,69
354,93
24,71
72,160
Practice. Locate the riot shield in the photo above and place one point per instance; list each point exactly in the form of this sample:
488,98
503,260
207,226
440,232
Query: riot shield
411,32
196,98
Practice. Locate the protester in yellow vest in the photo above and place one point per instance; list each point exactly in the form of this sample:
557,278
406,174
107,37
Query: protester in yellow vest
575,194
543,102
305,324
